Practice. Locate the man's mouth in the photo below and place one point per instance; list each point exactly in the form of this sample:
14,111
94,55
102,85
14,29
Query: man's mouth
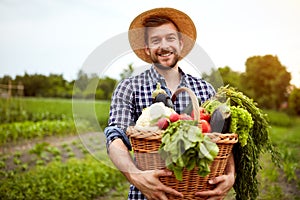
165,54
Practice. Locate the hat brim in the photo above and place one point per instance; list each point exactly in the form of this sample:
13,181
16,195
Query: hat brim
183,22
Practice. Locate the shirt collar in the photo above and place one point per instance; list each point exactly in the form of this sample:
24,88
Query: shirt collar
184,78
156,77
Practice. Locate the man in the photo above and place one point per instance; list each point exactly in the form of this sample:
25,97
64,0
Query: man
161,36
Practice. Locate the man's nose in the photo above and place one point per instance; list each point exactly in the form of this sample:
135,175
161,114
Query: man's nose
164,43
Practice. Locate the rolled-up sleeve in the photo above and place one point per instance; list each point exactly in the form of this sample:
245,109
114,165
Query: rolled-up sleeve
121,113
113,132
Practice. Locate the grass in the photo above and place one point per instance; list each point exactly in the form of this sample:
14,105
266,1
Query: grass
276,183
65,106
284,182
36,109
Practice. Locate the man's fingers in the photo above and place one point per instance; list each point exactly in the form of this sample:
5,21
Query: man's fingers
215,192
217,179
208,193
171,191
163,172
164,188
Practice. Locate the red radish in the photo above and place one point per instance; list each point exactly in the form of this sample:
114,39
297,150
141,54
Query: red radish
163,123
205,126
174,117
193,114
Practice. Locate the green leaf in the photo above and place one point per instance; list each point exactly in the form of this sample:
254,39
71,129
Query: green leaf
211,147
178,172
191,164
205,152
203,167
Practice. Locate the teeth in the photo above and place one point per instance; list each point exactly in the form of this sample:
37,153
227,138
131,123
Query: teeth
165,54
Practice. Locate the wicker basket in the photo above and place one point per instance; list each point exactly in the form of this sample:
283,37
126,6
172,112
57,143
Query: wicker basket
146,146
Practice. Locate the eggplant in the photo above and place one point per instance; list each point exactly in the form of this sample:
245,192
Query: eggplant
220,119
161,97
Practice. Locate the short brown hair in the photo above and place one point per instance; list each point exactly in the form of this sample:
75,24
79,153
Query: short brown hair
155,21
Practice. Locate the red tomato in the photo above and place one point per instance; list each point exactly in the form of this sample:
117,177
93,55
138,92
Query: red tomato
205,116
205,126
174,117
202,110
163,123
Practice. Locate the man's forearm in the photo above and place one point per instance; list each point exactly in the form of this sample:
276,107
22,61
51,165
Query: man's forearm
122,159
230,167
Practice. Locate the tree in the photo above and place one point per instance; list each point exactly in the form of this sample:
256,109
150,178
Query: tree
107,85
34,85
266,80
294,101
223,76
82,80
127,72
230,77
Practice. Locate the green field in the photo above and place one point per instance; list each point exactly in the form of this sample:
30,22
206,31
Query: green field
63,151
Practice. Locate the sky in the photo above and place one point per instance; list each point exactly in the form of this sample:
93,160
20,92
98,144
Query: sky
58,36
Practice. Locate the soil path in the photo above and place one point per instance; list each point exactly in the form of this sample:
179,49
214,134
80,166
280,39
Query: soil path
23,146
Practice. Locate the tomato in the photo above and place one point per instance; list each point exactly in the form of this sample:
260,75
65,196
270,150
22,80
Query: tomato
205,126
202,110
205,116
163,123
174,117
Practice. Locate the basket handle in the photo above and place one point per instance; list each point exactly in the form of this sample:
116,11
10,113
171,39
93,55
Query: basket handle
193,99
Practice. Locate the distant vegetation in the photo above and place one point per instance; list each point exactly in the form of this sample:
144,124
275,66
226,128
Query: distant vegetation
265,80
63,169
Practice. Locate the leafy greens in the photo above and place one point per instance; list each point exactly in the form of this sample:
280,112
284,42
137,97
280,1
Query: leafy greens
251,143
184,146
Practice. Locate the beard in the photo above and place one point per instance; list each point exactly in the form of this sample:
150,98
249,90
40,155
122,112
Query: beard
159,64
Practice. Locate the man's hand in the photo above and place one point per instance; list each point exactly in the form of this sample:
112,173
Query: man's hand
224,182
146,181
149,184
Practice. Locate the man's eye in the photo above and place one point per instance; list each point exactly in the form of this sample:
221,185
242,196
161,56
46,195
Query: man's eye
171,38
155,41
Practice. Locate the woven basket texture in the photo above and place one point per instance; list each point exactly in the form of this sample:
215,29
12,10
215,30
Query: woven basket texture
146,145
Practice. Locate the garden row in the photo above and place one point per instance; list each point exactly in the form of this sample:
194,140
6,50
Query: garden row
38,118
73,179
59,169
66,170
42,156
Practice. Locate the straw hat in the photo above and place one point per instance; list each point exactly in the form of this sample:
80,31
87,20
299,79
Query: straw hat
182,20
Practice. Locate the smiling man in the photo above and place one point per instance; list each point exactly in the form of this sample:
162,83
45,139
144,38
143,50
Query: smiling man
162,37
163,42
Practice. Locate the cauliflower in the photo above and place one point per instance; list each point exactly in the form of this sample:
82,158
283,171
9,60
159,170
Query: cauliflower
150,115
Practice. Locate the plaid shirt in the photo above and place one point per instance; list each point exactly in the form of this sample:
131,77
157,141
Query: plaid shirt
134,94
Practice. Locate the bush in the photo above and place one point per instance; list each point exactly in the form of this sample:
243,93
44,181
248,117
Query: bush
279,118
75,179
13,132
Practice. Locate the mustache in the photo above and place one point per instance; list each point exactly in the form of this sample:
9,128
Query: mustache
166,51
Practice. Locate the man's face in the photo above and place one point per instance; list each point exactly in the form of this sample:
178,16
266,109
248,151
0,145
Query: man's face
164,46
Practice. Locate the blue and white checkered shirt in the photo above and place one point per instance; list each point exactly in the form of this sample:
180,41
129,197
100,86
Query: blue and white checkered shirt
134,94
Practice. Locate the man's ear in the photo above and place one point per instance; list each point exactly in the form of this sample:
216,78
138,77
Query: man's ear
181,43
147,50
